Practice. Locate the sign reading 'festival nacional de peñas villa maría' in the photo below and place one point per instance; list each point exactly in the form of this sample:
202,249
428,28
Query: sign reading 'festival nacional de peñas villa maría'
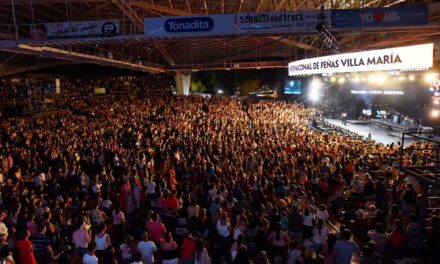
417,57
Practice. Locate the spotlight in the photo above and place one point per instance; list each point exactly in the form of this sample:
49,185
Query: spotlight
341,80
402,78
371,78
435,113
381,78
220,91
411,78
430,77
315,90
314,96
333,79
316,83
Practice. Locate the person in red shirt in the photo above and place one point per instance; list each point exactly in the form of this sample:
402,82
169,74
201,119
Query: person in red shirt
397,239
189,247
25,249
171,202
156,229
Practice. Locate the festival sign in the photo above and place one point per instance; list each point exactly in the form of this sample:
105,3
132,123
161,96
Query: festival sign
189,26
409,58
77,29
380,17
281,22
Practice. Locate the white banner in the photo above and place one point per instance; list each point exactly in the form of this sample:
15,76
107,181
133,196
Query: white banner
409,58
78,29
189,26
285,22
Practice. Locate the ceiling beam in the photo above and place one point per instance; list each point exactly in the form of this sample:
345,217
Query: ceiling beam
189,6
159,8
138,22
140,25
240,6
94,10
13,55
40,2
281,5
84,58
294,43
261,5
161,48
206,7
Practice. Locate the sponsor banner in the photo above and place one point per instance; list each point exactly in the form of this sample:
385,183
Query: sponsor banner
380,17
281,22
78,29
189,26
409,58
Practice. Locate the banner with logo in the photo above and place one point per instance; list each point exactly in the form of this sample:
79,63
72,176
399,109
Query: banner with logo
409,58
281,22
189,26
77,29
380,17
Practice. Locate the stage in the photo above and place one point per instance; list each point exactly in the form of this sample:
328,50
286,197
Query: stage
378,134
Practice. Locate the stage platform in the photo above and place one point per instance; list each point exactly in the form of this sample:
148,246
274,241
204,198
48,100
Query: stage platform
358,122
380,135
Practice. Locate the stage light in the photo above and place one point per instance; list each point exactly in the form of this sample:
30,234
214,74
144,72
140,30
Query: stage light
220,91
341,80
372,78
430,77
363,79
381,78
315,90
402,78
436,101
316,83
435,113
314,96
411,78
357,79
333,79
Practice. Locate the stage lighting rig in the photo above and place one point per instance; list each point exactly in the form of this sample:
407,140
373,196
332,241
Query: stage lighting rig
325,35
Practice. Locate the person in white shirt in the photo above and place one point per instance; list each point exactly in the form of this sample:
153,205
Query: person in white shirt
320,233
307,224
146,248
90,257
322,213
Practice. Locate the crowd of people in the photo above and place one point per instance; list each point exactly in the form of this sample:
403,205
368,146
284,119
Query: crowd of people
174,179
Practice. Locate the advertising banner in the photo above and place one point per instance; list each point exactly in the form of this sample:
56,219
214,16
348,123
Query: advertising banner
409,58
281,22
78,29
189,26
380,17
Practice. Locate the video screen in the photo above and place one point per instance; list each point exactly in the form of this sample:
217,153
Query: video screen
381,113
292,86
366,112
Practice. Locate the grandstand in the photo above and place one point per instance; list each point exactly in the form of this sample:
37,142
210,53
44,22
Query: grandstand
109,153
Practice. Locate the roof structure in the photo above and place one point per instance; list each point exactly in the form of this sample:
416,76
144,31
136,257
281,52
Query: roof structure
18,53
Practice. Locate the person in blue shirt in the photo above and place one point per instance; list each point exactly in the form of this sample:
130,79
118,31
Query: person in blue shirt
345,248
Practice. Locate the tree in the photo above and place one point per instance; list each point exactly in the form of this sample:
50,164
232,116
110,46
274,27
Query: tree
196,85
248,81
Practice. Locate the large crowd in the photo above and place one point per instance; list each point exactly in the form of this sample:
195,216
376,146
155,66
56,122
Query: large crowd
194,180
